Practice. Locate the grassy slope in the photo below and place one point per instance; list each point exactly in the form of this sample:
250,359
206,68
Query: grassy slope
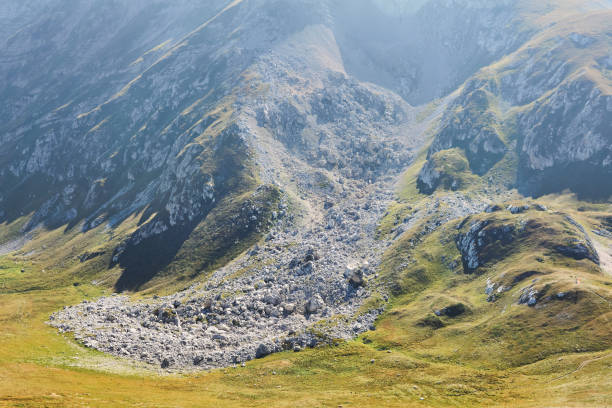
501,334
39,367
52,253
463,364
579,63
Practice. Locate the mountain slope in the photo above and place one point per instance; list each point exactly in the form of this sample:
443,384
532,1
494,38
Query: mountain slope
515,287
269,176
546,106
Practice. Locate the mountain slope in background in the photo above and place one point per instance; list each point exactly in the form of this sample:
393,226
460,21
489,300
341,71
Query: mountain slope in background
433,177
548,105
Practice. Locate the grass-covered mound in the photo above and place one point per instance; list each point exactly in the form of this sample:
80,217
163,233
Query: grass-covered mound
521,283
446,170
40,367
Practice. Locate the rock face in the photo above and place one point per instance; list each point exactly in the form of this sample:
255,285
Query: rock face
472,127
578,247
144,140
568,140
558,126
138,121
493,236
481,235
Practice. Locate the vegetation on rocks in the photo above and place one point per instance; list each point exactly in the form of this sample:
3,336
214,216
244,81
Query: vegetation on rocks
300,209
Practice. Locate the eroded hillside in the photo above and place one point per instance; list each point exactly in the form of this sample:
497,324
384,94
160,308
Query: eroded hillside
260,176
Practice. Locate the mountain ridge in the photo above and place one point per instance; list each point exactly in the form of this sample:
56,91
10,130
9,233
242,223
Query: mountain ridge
258,177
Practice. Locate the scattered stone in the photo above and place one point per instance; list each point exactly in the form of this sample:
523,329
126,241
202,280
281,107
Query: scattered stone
518,209
315,304
529,296
493,208
263,350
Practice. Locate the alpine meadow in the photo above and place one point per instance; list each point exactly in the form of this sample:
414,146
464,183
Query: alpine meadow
306,203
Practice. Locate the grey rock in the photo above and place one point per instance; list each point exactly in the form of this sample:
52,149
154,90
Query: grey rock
263,350
529,296
356,278
315,304
518,209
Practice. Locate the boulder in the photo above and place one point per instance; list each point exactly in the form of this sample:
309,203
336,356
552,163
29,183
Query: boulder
356,278
493,208
518,209
315,304
165,363
263,350
288,308
529,296
311,255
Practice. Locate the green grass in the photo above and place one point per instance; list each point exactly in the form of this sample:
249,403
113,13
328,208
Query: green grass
502,334
40,367
496,354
